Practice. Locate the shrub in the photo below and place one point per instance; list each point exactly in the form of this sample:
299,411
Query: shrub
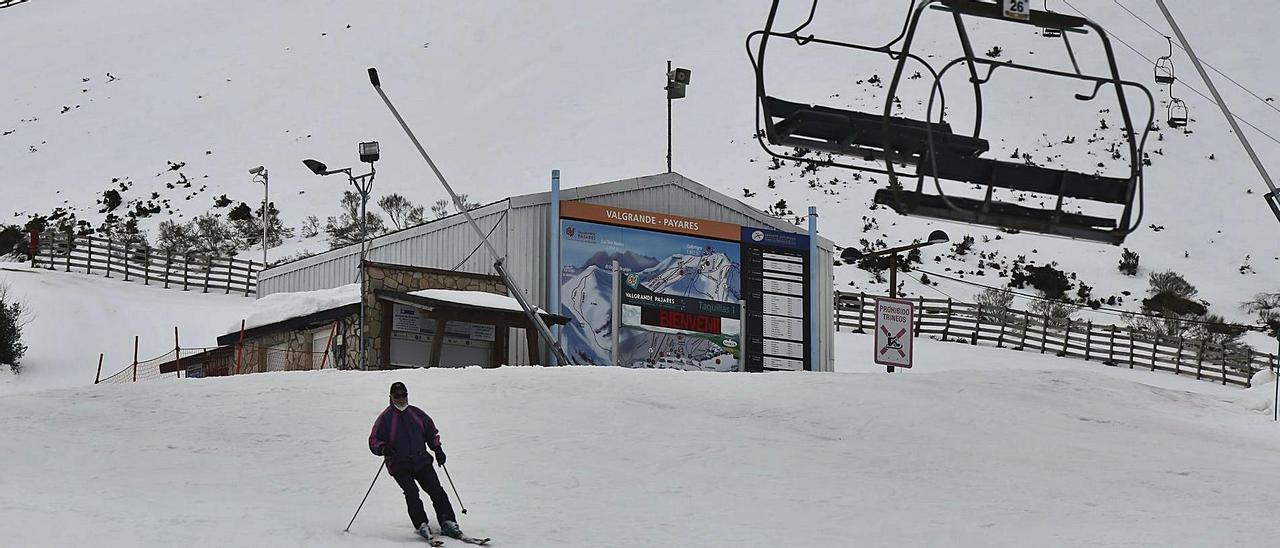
1129,262
13,316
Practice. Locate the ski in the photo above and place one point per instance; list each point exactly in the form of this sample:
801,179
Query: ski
473,540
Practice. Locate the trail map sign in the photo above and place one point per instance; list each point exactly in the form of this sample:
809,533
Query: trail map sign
893,332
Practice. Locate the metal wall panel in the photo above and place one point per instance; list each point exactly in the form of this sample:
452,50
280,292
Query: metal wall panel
445,245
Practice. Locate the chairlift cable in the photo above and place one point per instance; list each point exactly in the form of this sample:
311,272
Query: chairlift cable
1206,63
1192,88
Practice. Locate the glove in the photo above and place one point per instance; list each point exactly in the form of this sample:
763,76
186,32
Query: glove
440,456
388,451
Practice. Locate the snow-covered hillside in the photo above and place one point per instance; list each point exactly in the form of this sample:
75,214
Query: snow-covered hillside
1015,451
74,317
501,93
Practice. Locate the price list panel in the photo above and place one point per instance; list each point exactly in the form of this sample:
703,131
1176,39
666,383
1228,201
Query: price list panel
775,274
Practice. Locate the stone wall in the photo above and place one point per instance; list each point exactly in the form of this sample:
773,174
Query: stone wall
297,353
406,279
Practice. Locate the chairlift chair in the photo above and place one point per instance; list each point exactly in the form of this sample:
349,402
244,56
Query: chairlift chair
934,149
1164,66
1178,113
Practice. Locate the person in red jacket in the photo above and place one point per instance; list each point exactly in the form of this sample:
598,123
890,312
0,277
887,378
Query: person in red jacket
400,436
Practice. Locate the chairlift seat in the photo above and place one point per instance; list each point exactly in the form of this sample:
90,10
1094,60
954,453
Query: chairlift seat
1177,122
1030,178
1002,215
1164,79
843,131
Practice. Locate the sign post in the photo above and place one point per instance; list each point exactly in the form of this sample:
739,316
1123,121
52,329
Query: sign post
893,346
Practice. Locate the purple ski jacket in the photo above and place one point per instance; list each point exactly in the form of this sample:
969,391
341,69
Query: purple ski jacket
409,432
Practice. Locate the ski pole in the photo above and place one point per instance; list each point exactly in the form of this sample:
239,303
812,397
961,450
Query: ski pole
366,497
455,489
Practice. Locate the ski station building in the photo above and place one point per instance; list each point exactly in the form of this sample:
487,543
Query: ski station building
704,282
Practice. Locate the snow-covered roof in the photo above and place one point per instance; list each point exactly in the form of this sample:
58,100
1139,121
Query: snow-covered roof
279,307
472,299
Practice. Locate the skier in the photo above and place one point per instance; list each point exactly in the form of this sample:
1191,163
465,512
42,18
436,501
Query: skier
400,436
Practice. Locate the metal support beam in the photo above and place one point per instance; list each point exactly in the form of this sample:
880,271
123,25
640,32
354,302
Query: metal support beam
498,265
1271,196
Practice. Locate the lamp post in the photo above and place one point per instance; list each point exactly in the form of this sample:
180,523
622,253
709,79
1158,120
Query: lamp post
260,176
676,81
852,255
363,184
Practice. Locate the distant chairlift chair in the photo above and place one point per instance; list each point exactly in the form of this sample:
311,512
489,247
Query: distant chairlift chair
1164,66
933,149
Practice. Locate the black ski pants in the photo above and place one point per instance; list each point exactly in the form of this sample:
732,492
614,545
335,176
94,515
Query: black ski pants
425,476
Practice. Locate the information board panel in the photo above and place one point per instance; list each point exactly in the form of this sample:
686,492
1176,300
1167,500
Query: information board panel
775,267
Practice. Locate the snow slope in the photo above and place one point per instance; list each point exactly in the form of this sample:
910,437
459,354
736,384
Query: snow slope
1008,453
77,316
501,93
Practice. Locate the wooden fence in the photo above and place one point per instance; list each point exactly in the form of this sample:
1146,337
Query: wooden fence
1120,346
140,263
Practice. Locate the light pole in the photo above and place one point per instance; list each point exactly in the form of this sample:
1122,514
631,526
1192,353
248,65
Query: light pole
676,81
260,176
852,255
363,184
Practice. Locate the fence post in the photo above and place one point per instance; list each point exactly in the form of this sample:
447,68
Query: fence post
1131,337
248,279
88,266
168,260
135,358
1177,362
186,270
862,299
1088,339
1225,352
920,316
946,324
1044,330
1248,368
110,248
207,269
128,258
1155,347
977,326
70,242
228,284
240,347
33,246
1200,359
1026,324
146,270
177,353
835,309
1066,339
1004,321
98,376
1111,348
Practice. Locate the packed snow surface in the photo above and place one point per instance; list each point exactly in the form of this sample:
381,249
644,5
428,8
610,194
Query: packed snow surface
1016,450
